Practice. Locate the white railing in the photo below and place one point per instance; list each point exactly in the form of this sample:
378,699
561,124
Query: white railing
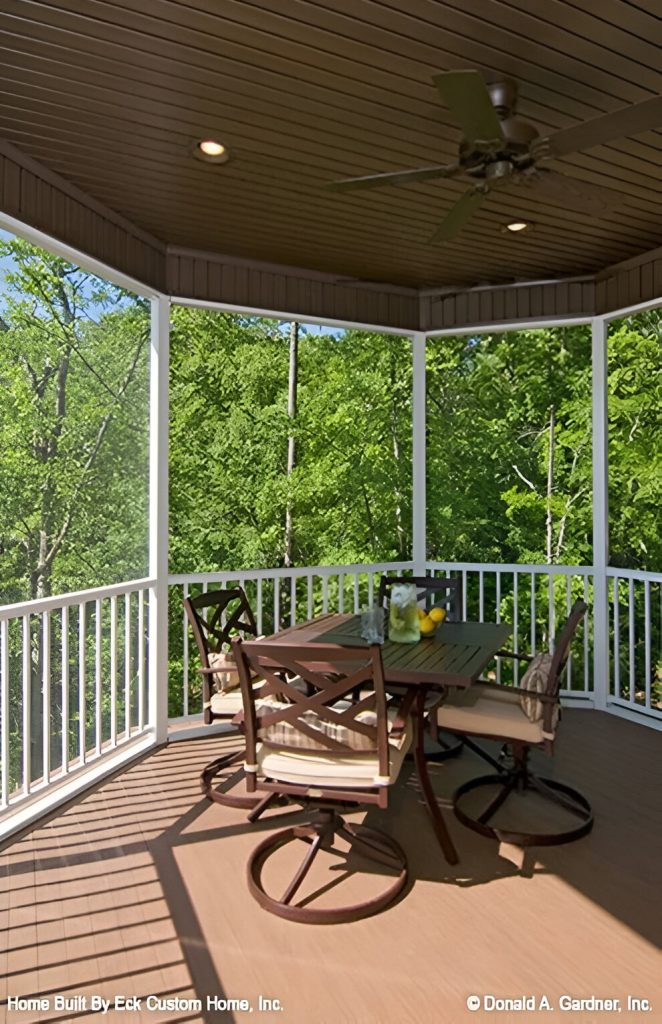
73,684
635,600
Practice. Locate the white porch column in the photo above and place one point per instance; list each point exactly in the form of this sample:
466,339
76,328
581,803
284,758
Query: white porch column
158,517
419,510
599,330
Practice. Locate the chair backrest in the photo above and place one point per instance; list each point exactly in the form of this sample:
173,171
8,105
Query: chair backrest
332,673
562,646
216,617
434,590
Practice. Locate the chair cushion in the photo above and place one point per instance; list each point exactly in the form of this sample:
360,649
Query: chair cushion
488,711
229,702
330,771
284,734
226,678
536,680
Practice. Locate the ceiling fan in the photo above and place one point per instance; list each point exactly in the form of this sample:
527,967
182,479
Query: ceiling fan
499,150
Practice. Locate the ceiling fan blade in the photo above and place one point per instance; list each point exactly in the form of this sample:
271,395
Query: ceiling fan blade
567,191
640,117
458,216
466,96
395,178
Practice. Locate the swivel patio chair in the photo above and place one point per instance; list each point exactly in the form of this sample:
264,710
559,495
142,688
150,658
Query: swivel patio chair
327,752
522,717
440,592
215,618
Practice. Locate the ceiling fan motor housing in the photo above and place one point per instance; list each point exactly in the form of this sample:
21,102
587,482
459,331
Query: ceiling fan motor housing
485,159
503,96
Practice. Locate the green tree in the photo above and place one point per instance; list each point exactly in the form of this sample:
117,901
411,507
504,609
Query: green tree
635,442
73,424
509,445
350,490
353,479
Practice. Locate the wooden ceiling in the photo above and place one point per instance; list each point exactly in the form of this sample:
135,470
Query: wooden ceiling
111,94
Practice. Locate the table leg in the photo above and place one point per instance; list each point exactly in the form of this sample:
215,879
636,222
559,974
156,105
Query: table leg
438,823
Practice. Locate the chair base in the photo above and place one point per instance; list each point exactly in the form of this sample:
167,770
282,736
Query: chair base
369,842
211,772
519,779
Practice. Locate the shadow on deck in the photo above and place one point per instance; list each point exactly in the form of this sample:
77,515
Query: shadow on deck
138,889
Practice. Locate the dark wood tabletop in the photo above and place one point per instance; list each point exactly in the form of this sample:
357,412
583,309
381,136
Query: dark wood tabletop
455,656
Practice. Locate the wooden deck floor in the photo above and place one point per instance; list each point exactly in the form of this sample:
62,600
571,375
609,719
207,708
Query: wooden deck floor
139,889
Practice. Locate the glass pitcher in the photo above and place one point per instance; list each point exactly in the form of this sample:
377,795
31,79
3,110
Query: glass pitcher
403,617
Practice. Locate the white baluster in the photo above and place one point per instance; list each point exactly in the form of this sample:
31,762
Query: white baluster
113,671
4,710
141,660
127,666
82,672
64,626
97,678
27,700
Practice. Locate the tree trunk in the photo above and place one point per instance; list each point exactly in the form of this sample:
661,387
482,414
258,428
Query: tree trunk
395,440
291,443
47,450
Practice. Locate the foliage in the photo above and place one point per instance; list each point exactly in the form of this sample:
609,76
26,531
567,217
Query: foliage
351,488
73,413
497,490
635,449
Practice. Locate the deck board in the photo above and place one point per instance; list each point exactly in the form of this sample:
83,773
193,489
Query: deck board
139,887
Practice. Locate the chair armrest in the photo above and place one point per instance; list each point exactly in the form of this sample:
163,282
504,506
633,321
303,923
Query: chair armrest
513,654
544,697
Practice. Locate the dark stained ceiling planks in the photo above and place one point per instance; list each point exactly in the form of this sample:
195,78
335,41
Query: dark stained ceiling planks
110,94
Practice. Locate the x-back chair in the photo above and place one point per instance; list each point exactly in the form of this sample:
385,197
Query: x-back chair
522,717
215,618
440,592
326,751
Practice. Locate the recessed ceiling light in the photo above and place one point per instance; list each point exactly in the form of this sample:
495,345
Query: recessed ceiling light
518,225
211,151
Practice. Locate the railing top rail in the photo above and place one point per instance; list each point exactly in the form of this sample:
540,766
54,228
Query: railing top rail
634,574
48,604
281,573
557,570
10,611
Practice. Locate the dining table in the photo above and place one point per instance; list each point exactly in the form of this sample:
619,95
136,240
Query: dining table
453,657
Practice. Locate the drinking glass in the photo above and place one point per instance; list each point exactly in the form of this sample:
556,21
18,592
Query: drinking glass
372,625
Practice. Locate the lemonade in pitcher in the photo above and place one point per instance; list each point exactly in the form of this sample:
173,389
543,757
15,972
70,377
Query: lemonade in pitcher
403,617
